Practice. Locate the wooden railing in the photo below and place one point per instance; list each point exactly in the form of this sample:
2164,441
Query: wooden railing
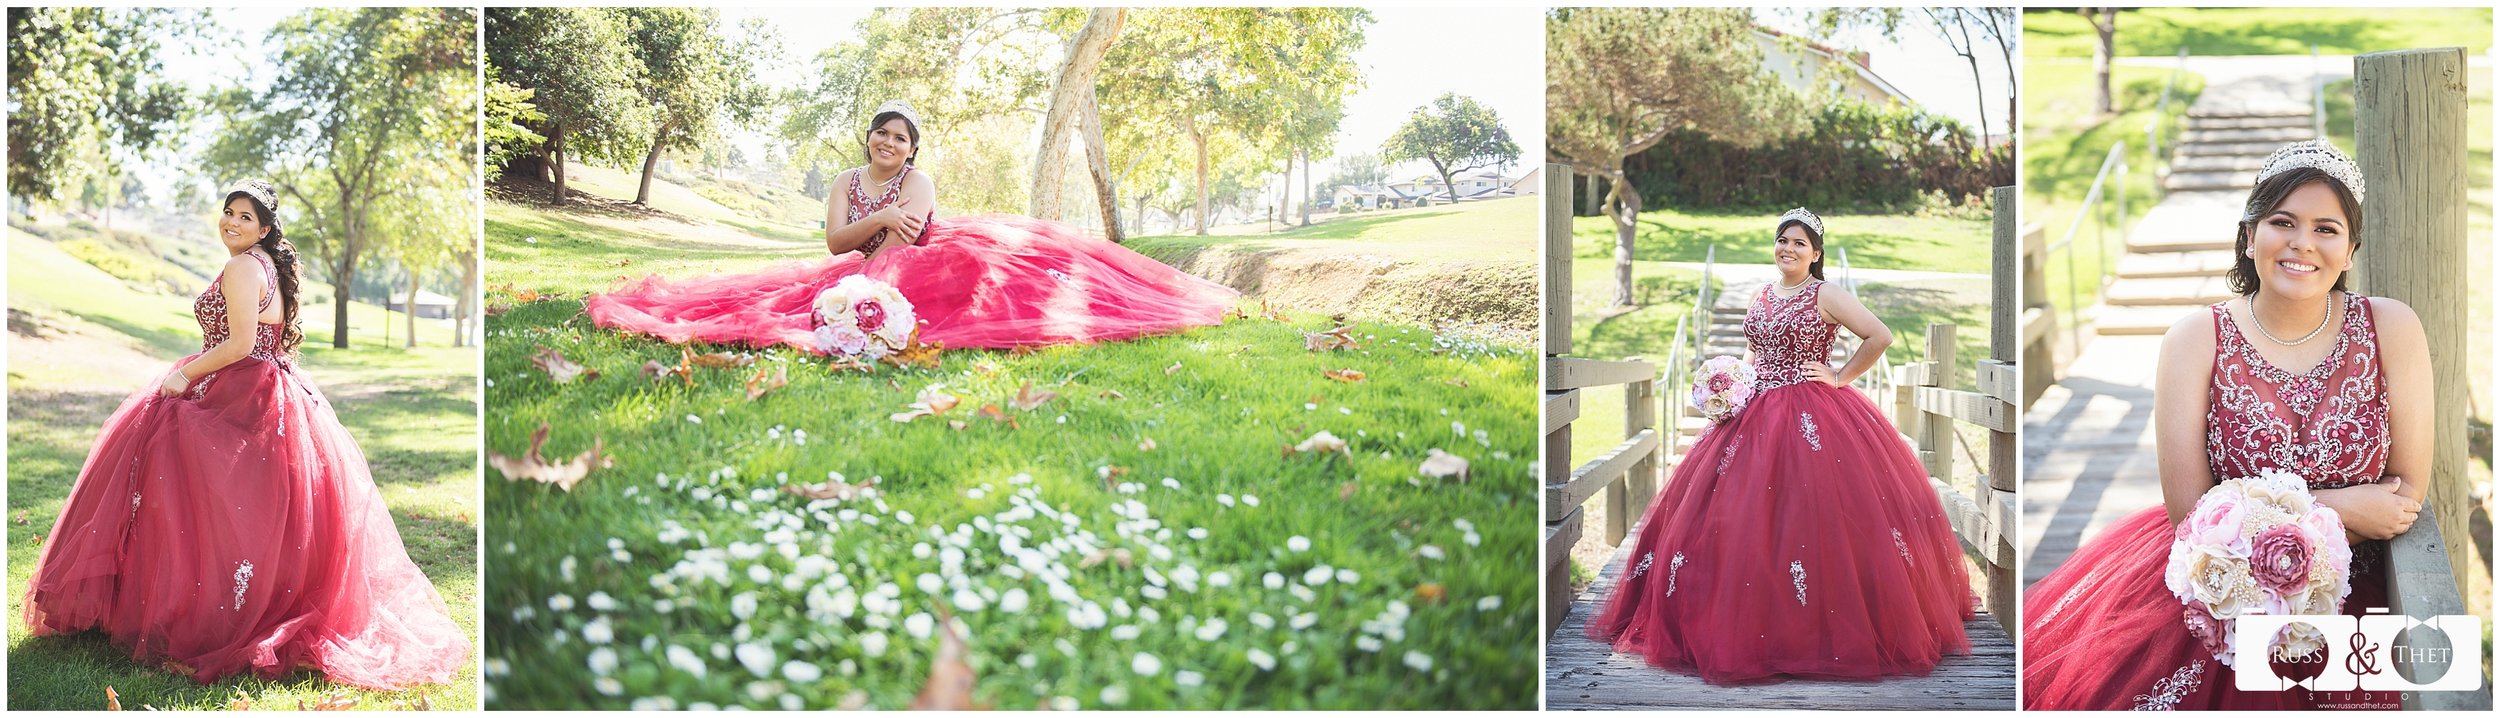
2042,354
1628,473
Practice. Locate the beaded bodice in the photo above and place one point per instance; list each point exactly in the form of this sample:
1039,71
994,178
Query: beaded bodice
210,309
861,203
2328,425
1785,334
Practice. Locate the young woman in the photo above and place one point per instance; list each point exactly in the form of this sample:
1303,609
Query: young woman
2295,375
1800,538
988,282
226,523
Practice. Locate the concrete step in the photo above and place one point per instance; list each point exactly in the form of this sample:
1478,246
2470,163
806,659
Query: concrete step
2276,135
2219,163
2207,263
2232,180
2166,291
2202,149
2247,122
2188,222
2145,243
2141,321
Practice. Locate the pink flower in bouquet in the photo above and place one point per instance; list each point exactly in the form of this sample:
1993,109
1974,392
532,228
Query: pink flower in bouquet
846,341
1721,382
2211,633
871,314
2279,559
2216,519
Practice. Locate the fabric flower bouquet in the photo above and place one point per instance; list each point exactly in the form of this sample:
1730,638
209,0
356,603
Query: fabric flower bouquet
2257,546
862,318
1722,388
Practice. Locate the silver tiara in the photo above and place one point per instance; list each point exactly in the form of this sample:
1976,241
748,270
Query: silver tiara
2318,154
260,190
1800,214
900,107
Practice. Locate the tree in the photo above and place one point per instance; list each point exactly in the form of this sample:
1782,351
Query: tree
370,132
1073,109
2104,24
1454,134
508,115
691,76
84,82
1620,79
1358,169
580,63
814,185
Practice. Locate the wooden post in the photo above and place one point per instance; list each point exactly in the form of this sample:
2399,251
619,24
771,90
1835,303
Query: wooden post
2410,124
2040,353
2004,447
1560,534
1640,411
1935,436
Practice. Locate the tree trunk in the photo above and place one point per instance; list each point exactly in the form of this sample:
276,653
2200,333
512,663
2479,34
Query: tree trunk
650,162
555,162
1141,213
1098,160
1625,209
2105,24
468,298
1449,180
412,307
341,275
1199,139
1306,188
1070,95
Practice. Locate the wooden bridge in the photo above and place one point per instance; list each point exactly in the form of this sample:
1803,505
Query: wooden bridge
1582,674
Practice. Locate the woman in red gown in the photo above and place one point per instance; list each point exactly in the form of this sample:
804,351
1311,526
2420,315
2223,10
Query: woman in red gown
1801,538
2345,405
226,522
993,282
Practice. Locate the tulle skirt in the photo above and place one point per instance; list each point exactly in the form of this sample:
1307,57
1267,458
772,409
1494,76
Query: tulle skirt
1799,539
2103,633
993,282
235,529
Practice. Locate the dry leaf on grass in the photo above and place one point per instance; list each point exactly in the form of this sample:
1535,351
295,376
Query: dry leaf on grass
1145,443
1456,382
993,413
985,367
1027,399
1320,443
331,703
1345,375
525,296
1337,339
533,468
1111,394
1121,556
560,369
112,701
832,488
1270,313
657,372
1175,368
1345,491
21,518
760,384
1431,593
950,675
914,353
239,704
931,402
718,360
1442,465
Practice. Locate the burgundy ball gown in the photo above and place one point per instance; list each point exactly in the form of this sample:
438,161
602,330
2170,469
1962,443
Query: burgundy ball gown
234,528
2104,632
1801,538
993,282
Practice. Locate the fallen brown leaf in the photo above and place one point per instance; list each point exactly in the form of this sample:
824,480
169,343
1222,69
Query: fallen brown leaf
1345,375
718,360
21,518
560,369
1337,339
985,367
1122,556
831,489
956,424
112,701
656,371
1346,490
993,413
525,296
760,384
931,402
1431,593
1028,400
950,675
1321,443
1024,351
914,353
1111,394
563,475
1145,443
239,704
1269,313
1442,465
331,703
1175,368
1456,382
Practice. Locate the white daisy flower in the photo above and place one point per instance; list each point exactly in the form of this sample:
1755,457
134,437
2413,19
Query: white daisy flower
1418,661
1146,664
1262,659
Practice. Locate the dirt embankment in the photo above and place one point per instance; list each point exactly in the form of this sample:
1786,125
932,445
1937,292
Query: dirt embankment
1497,298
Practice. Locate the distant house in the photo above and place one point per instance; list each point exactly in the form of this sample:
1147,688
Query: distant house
1803,66
1428,189
1527,183
429,304
1352,197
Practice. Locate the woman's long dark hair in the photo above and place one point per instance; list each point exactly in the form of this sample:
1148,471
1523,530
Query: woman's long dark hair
282,258
910,128
2268,196
1815,269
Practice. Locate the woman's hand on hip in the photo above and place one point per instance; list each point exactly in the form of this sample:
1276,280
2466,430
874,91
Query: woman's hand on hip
1821,372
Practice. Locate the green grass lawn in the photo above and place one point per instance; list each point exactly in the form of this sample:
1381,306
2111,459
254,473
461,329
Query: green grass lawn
2260,31
412,411
1472,230
1927,243
685,577
2065,144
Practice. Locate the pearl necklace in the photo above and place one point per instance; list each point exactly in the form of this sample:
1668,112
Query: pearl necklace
2304,339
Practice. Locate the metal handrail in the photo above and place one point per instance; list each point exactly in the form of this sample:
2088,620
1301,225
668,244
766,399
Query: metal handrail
2154,125
2317,96
1877,381
2115,160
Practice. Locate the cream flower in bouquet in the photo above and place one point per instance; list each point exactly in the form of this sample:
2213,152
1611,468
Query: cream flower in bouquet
1723,387
861,317
2256,546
